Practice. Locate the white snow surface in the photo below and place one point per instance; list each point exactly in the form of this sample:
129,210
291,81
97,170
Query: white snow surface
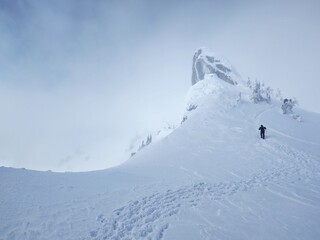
211,178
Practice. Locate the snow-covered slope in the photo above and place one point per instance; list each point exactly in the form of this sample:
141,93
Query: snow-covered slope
211,178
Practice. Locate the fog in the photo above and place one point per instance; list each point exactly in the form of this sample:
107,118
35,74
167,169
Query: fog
79,80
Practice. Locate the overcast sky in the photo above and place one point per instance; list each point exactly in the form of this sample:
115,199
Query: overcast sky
80,79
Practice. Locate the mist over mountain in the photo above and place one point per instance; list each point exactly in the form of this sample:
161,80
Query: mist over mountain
210,177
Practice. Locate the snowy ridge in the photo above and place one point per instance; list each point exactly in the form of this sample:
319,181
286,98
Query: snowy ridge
143,140
200,196
211,178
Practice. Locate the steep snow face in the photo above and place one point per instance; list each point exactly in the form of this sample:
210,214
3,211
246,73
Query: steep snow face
220,93
214,95
206,62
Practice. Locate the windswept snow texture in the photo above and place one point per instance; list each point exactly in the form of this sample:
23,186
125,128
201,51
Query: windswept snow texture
211,178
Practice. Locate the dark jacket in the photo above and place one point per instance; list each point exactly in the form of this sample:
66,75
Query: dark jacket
262,128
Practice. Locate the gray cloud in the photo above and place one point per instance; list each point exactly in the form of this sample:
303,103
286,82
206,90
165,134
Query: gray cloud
79,79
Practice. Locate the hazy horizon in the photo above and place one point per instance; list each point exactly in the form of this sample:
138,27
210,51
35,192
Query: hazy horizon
79,80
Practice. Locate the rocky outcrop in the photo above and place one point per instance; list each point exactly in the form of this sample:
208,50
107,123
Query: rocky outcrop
206,63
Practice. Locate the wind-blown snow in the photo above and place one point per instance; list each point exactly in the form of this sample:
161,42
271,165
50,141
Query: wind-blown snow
211,178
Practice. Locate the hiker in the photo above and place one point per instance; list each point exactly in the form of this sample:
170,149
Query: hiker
262,131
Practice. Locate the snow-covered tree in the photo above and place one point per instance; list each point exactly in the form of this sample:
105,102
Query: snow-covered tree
259,93
184,119
249,83
145,143
142,145
287,106
191,107
268,92
256,96
149,140
278,94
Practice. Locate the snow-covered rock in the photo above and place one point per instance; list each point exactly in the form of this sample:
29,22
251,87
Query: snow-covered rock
206,62
215,80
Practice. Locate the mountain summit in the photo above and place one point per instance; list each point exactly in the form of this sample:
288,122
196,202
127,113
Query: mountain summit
206,62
